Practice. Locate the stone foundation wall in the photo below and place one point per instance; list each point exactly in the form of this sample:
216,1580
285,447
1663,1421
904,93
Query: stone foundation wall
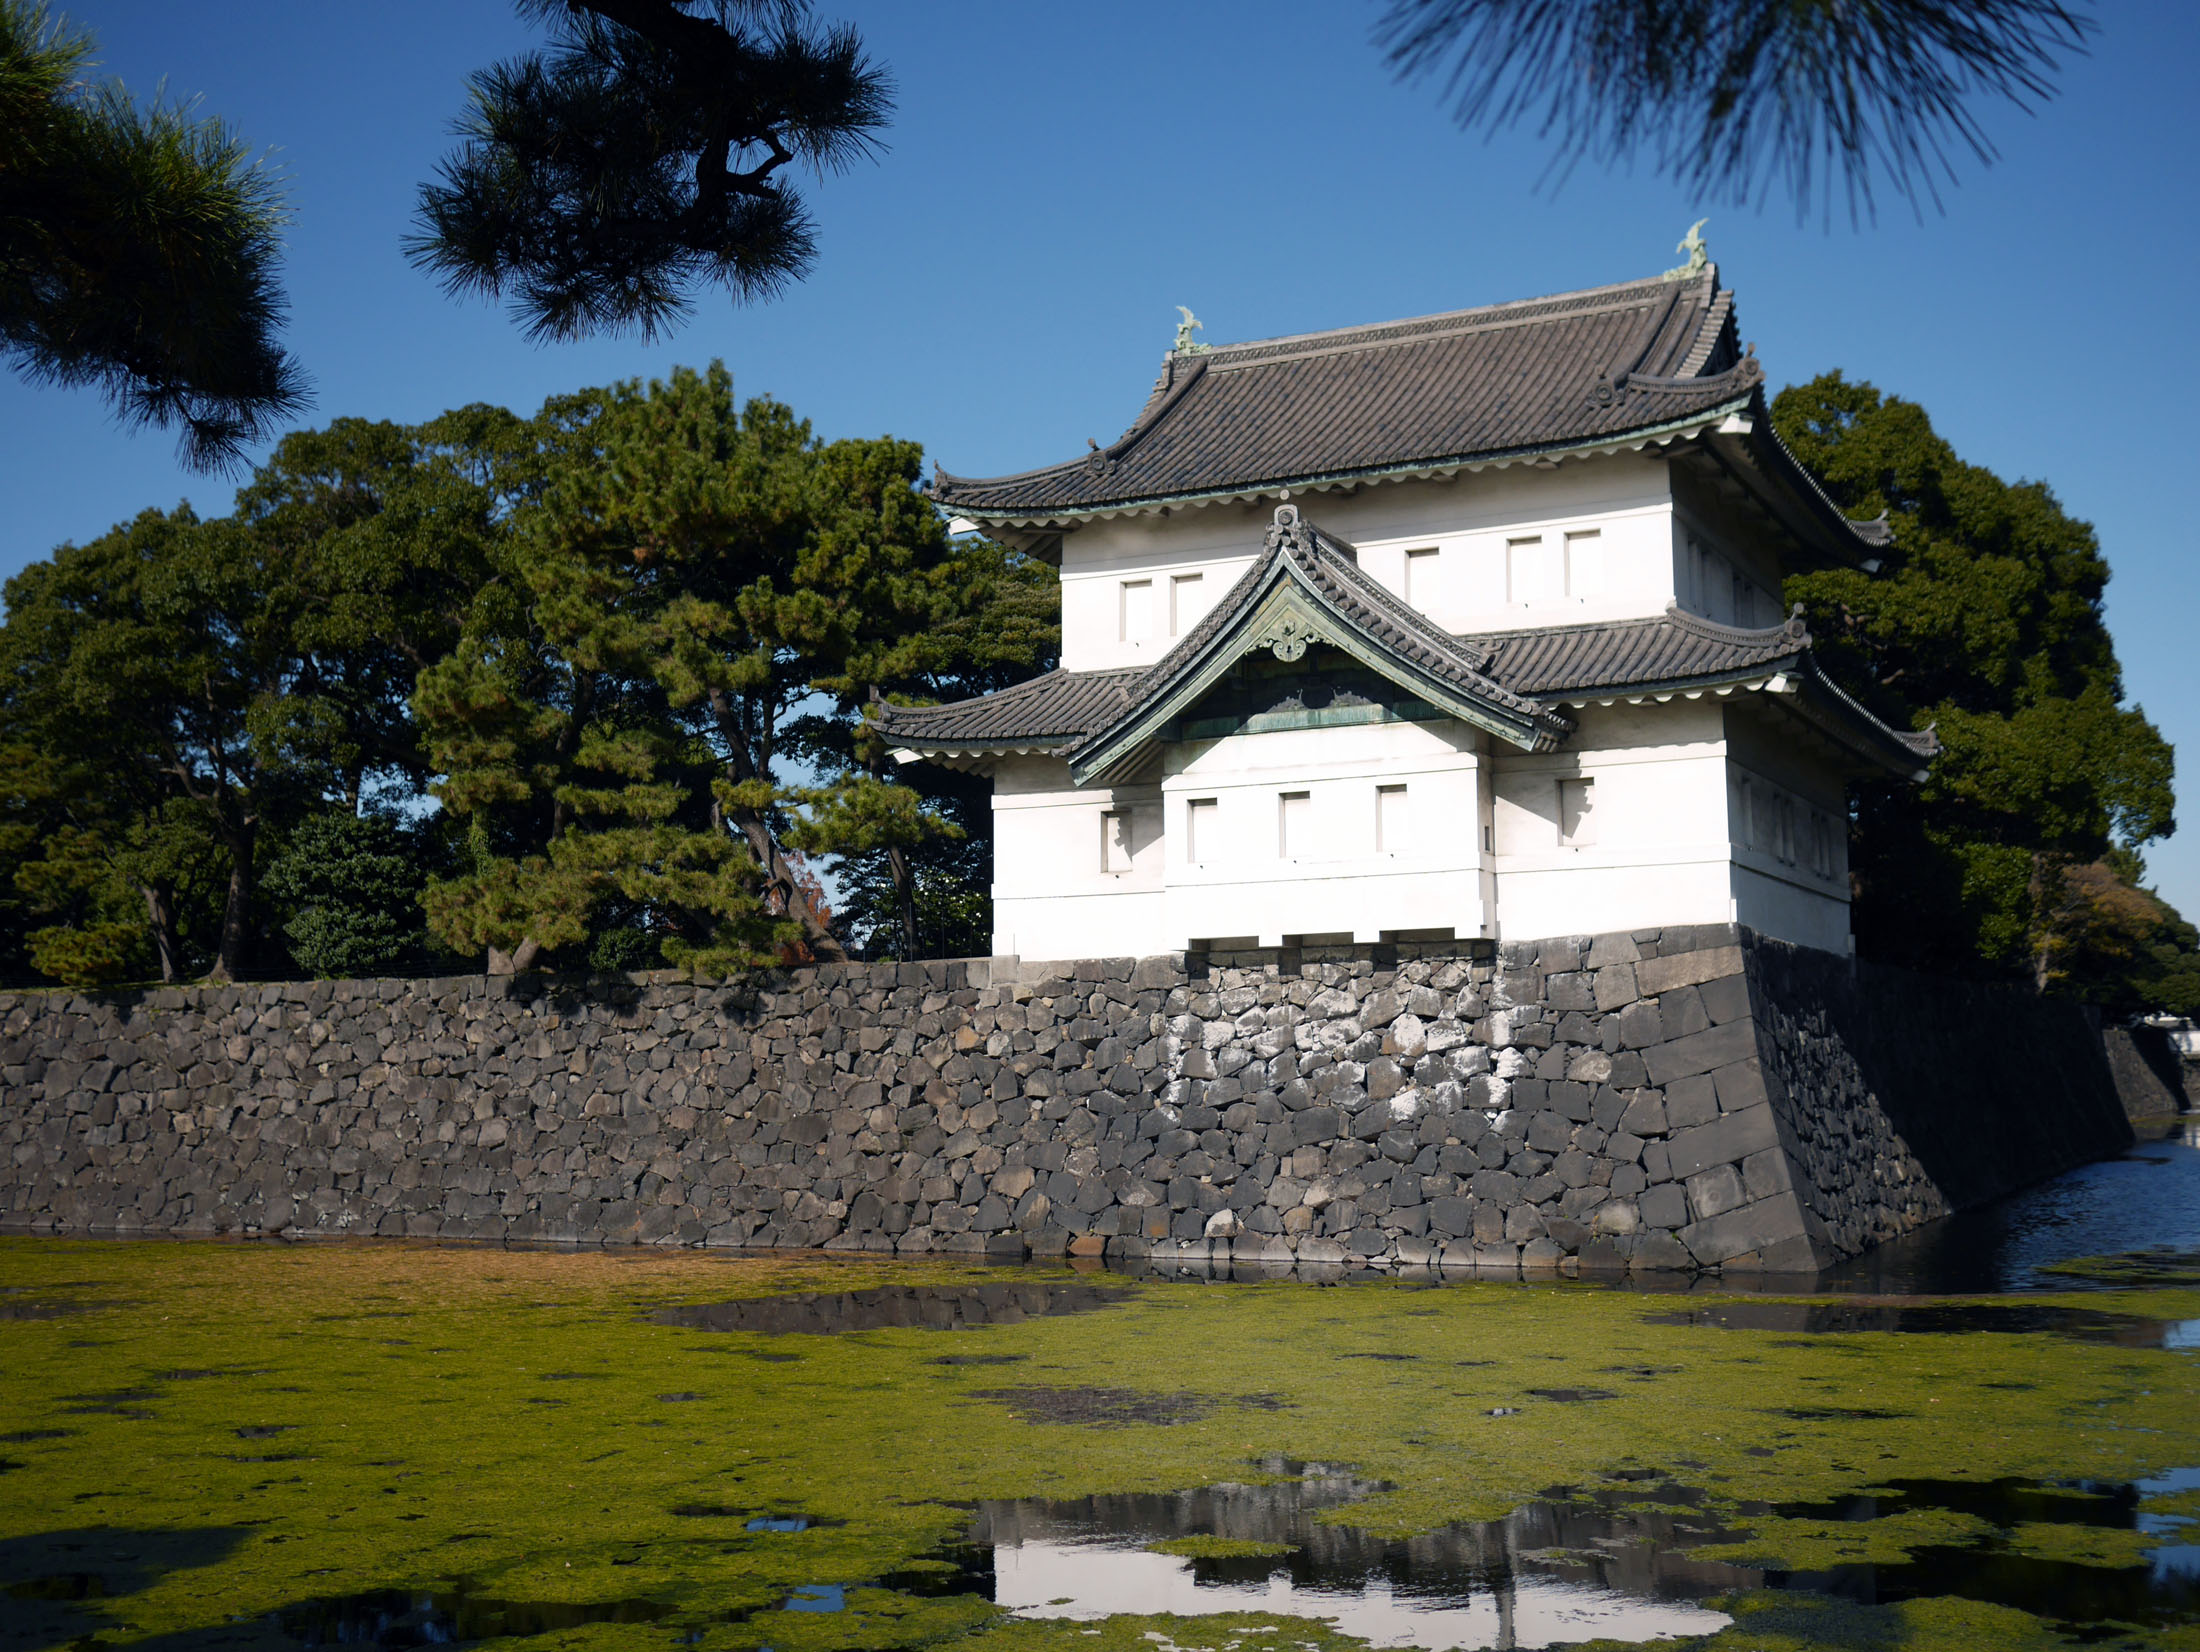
1682,1099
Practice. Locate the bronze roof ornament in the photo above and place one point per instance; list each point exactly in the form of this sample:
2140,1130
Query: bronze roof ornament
1698,250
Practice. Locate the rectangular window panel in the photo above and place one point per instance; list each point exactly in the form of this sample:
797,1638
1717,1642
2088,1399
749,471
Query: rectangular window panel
1422,572
1294,824
1585,564
1392,829
1743,607
1523,571
1577,805
1187,602
1115,840
1137,600
1202,830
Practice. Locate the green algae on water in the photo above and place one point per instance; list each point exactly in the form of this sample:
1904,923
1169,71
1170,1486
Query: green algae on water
409,1450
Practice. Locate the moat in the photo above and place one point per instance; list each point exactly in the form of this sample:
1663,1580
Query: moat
1986,1436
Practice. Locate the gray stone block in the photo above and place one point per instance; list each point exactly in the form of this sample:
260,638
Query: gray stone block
1690,1102
1740,1086
1767,1173
1714,1192
1754,1227
1663,1206
1701,1052
1670,970
1725,999
1727,1140
1615,987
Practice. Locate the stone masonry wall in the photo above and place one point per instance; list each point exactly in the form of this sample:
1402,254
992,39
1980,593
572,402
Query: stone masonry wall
1662,1100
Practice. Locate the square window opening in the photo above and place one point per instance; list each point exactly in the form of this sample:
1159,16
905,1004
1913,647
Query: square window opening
1136,611
1577,803
1115,840
1393,824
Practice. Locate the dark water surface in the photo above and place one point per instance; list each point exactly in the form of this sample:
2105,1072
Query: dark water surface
2148,1199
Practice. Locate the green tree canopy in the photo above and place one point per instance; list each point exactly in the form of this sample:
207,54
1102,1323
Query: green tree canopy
1985,621
704,600
138,250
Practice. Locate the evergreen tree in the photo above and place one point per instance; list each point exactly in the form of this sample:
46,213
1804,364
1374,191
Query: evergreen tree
1985,622
348,891
1731,96
138,250
643,155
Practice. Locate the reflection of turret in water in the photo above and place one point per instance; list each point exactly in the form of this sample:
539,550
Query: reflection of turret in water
1592,1539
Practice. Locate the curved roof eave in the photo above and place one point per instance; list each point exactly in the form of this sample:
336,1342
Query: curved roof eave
1416,470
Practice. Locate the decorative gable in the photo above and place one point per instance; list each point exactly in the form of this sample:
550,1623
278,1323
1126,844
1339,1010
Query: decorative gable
1307,588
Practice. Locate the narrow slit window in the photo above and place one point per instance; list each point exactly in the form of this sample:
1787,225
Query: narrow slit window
1115,840
1137,609
1423,572
1585,564
1187,602
1294,824
1201,830
1577,806
1523,571
1393,827
1744,610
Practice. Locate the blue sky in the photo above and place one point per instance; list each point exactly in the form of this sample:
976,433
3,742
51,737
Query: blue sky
1000,285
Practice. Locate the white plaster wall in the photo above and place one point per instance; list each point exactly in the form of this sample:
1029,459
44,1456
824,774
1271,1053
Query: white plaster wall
1467,521
1675,841
1052,894
1336,879
1788,821
1662,851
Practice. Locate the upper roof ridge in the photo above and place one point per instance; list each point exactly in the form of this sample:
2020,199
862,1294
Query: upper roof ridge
1369,333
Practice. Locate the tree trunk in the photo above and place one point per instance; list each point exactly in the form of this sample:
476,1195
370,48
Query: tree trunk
824,945
2043,953
160,918
518,959
229,959
743,764
905,901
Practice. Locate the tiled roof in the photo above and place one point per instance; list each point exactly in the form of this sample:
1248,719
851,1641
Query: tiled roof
1527,670
1676,650
1545,373
1048,711
1675,647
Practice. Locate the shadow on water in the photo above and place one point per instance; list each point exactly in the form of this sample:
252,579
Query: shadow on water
1935,1319
2163,1589
399,1618
919,1307
2147,1200
51,1583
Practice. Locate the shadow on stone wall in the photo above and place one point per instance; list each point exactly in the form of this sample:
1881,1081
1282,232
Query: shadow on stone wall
1991,1087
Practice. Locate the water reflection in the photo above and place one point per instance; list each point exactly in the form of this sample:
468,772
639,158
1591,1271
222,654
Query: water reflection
2148,1199
1573,1568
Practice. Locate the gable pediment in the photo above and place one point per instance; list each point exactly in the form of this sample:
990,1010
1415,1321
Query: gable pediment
1308,589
